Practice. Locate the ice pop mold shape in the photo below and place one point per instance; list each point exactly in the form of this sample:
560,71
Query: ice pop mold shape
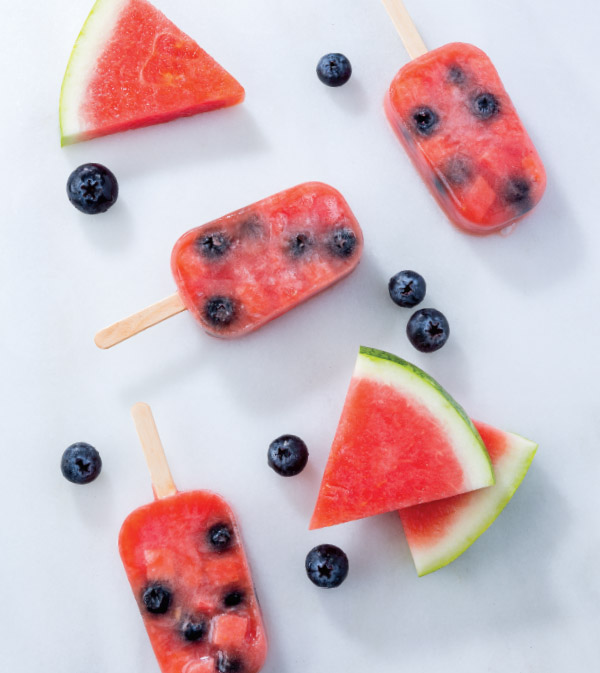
244,269
459,127
184,559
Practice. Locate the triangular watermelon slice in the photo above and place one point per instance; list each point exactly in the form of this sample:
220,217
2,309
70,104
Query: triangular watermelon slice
438,532
132,67
401,441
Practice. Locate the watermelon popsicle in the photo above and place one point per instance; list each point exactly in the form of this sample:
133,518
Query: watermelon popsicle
242,270
184,559
459,127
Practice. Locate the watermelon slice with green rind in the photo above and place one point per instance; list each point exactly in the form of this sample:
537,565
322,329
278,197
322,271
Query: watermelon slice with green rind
132,67
402,440
439,532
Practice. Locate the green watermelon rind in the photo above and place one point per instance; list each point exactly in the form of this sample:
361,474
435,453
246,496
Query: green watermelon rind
377,356
486,515
98,27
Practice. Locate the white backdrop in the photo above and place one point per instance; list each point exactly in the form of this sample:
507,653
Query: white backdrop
522,356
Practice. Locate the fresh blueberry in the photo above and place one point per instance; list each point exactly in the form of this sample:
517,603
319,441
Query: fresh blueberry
299,244
456,75
326,566
485,105
425,120
92,188
457,170
220,311
213,245
343,242
81,463
516,191
157,599
407,288
334,69
220,537
287,455
233,598
227,665
194,630
428,330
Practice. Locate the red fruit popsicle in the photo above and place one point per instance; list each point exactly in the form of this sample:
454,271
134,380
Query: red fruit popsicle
185,562
458,125
242,270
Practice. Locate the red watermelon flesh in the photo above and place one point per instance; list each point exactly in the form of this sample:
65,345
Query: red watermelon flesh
166,544
132,67
438,532
401,440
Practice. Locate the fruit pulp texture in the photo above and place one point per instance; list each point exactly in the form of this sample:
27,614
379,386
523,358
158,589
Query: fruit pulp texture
266,258
388,453
151,72
166,543
427,524
455,120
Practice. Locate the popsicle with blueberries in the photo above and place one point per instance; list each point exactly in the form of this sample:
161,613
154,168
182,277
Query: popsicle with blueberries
184,559
242,270
458,125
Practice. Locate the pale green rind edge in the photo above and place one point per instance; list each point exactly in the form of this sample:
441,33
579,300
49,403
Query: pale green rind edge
488,521
376,354
70,140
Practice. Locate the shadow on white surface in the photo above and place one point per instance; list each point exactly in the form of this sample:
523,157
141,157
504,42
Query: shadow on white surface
242,365
189,141
350,99
544,247
110,231
502,581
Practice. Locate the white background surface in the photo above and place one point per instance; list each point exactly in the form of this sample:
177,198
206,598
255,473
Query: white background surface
522,356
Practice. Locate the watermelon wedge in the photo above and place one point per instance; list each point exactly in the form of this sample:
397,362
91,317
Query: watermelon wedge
439,532
132,67
401,441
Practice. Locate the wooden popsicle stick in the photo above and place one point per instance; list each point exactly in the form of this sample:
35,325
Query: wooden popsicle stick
138,322
413,42
162,481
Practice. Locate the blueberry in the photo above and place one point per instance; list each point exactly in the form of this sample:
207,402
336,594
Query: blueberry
287,455
213,245
457,170
342,242
516,190
326,566
233,598
407,288
220,537
456,74
194,630
334,69
485,105
425,120
220,311
157,599
92,188
299,244
428,330
81,463
227,665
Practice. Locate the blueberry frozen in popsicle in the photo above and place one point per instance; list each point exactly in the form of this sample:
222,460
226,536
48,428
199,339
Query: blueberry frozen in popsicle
184,559
242,270
458,125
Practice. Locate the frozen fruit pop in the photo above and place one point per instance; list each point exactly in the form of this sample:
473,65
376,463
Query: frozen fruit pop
458,125
239,272
186,565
